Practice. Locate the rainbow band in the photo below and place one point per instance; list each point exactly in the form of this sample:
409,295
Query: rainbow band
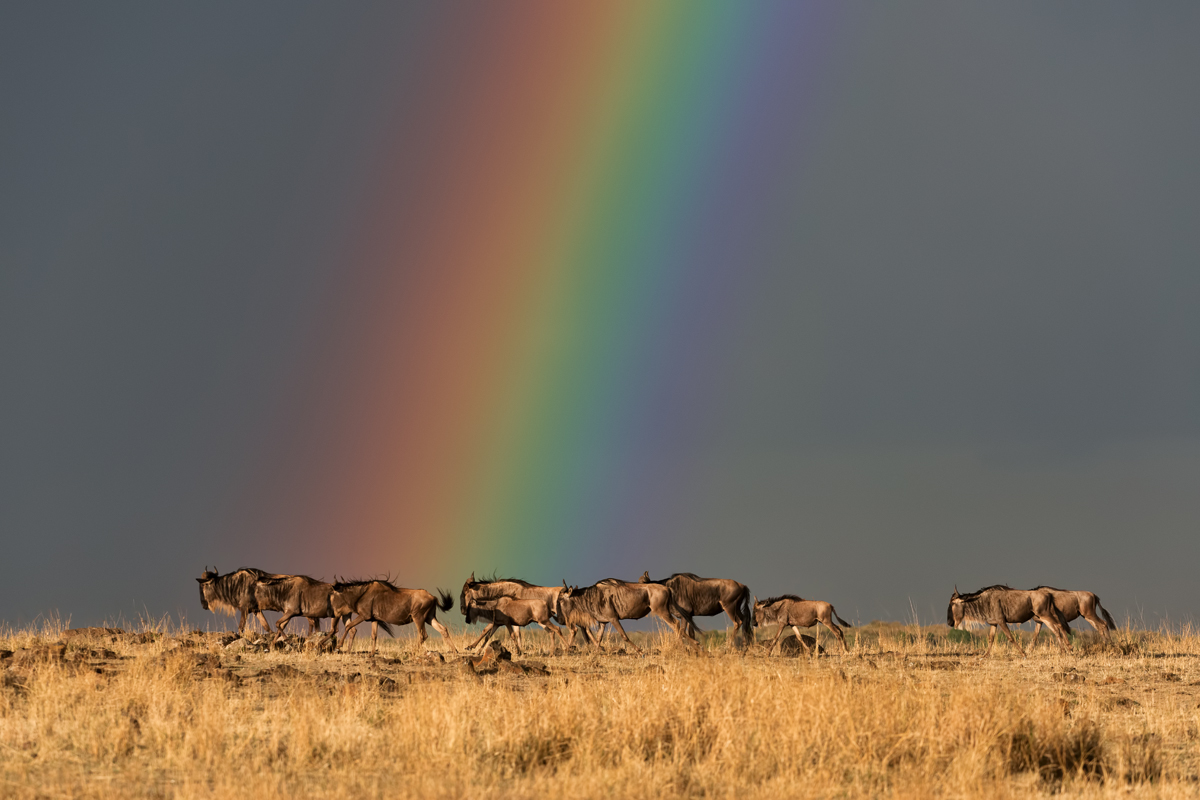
551,248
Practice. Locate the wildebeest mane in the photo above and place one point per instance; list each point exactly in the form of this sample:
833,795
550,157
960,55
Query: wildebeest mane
494,579
777,598
340,584
270,581
1049,588
691,575
975,595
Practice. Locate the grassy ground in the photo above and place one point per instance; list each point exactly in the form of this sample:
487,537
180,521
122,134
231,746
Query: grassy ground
907,713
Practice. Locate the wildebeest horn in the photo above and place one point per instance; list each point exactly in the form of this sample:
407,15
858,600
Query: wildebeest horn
955,590
756,600
472,578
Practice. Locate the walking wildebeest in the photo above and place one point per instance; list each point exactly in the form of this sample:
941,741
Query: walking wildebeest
1076,604
342,599
234,593
612,600
999,605
382,603
693,596
510,612
788,609
508,587
295,596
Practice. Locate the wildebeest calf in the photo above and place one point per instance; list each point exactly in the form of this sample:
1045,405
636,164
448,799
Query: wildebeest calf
512,613
788,609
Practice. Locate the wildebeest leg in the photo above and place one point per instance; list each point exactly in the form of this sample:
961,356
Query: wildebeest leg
775,641
735,618
440,628
1063,641
350,632
1037,627
616,623
421,634
491,627
263,619
665,616
284,620
374,636
838,633
1097,623
1011,638
241,623
588,636
991,640
483,637
800,638
550,626
514,638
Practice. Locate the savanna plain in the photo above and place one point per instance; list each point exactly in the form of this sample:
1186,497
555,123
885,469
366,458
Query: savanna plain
908,712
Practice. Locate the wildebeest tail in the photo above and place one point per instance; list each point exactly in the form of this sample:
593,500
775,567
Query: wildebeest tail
1062,618
747,614
840,621
1107,617
447,601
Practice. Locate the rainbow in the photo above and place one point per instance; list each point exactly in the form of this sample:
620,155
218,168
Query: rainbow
549,242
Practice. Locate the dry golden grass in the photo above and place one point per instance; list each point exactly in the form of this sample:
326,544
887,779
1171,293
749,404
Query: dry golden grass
908,713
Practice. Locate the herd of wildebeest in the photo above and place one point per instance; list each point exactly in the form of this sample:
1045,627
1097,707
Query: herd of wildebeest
677,600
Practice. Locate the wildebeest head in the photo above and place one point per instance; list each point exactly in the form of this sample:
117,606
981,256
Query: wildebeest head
567,603
206,586
464,598
758,607
954,612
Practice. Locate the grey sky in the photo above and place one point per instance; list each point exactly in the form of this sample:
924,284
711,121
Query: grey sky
976,359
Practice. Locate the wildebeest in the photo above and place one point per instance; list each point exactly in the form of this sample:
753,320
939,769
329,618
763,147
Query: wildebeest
693,596
510,612
342,600
382,603
295,596
612,600
234,593
1076,604
788,609
999,605
508,587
